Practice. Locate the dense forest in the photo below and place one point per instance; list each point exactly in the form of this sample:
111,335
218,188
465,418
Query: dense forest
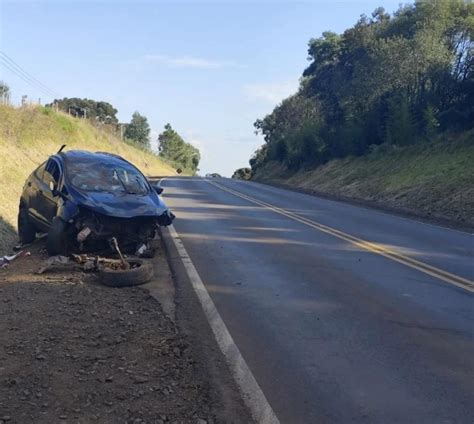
387,81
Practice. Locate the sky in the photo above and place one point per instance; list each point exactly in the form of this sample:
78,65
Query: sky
209,68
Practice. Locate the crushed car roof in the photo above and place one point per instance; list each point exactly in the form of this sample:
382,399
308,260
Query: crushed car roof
119,205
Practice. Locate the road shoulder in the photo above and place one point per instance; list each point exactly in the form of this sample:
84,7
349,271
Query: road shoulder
193,323
72,350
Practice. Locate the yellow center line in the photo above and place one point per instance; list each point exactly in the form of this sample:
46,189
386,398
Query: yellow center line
440,274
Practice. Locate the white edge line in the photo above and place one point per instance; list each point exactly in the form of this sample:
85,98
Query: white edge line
252,394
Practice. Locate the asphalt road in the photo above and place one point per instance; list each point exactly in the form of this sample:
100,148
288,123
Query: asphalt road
334,329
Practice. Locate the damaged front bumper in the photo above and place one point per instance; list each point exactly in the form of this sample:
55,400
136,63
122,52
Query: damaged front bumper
94,230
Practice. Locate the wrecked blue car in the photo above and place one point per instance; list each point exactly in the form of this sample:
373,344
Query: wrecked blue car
83,199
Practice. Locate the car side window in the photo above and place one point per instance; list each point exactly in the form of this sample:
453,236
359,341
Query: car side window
52,173
40,171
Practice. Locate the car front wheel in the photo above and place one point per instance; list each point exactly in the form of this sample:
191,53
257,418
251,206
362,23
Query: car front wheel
26,229
57,238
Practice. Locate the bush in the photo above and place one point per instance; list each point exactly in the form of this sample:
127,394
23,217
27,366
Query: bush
242,174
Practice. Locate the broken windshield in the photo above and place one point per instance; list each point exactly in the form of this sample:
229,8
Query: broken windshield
113,178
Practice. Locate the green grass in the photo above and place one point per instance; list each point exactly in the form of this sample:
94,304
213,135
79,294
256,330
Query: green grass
434,179
65,123
29,135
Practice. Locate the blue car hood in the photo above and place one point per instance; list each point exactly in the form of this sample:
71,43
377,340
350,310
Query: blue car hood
122,205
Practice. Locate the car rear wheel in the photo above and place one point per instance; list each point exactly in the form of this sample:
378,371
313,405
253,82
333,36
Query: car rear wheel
26,229
57,243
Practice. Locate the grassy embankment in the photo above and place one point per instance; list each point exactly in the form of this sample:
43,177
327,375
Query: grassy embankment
29,135
435,180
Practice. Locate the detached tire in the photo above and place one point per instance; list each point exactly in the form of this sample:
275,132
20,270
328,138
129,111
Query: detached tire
26,229
129,277
57,238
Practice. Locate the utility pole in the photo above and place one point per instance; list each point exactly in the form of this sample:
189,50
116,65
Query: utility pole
121,131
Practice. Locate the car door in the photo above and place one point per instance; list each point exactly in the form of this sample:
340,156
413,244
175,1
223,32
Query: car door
30,195
46,204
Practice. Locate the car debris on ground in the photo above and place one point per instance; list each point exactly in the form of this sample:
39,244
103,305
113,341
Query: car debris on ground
7,259
111,272
123,263
54,263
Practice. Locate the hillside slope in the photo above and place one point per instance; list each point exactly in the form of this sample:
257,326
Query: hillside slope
432,181
29,135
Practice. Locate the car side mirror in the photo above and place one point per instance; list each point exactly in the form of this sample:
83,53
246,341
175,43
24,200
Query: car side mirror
159,189
53,189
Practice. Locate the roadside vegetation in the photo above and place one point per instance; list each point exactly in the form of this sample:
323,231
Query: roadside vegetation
93,110
175,150
242,174
138,130
4,93
103,115
389,89
396,80
435,181
29,135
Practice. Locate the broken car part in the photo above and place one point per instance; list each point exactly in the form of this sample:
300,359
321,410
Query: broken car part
141,250
54,262
83,234
125,264
140,272
5,260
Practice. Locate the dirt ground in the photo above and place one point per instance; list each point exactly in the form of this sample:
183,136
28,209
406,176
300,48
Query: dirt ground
74,351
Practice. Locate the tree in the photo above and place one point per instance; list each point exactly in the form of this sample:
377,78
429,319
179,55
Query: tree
400,128
138,130
242,174
293,116
170,143
259,158
396,79
431,123
4,93
100,111
173,148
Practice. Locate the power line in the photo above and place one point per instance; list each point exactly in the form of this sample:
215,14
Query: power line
25,79
10,64
9,61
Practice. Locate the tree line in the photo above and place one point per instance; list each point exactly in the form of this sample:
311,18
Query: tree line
389,80
172,147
